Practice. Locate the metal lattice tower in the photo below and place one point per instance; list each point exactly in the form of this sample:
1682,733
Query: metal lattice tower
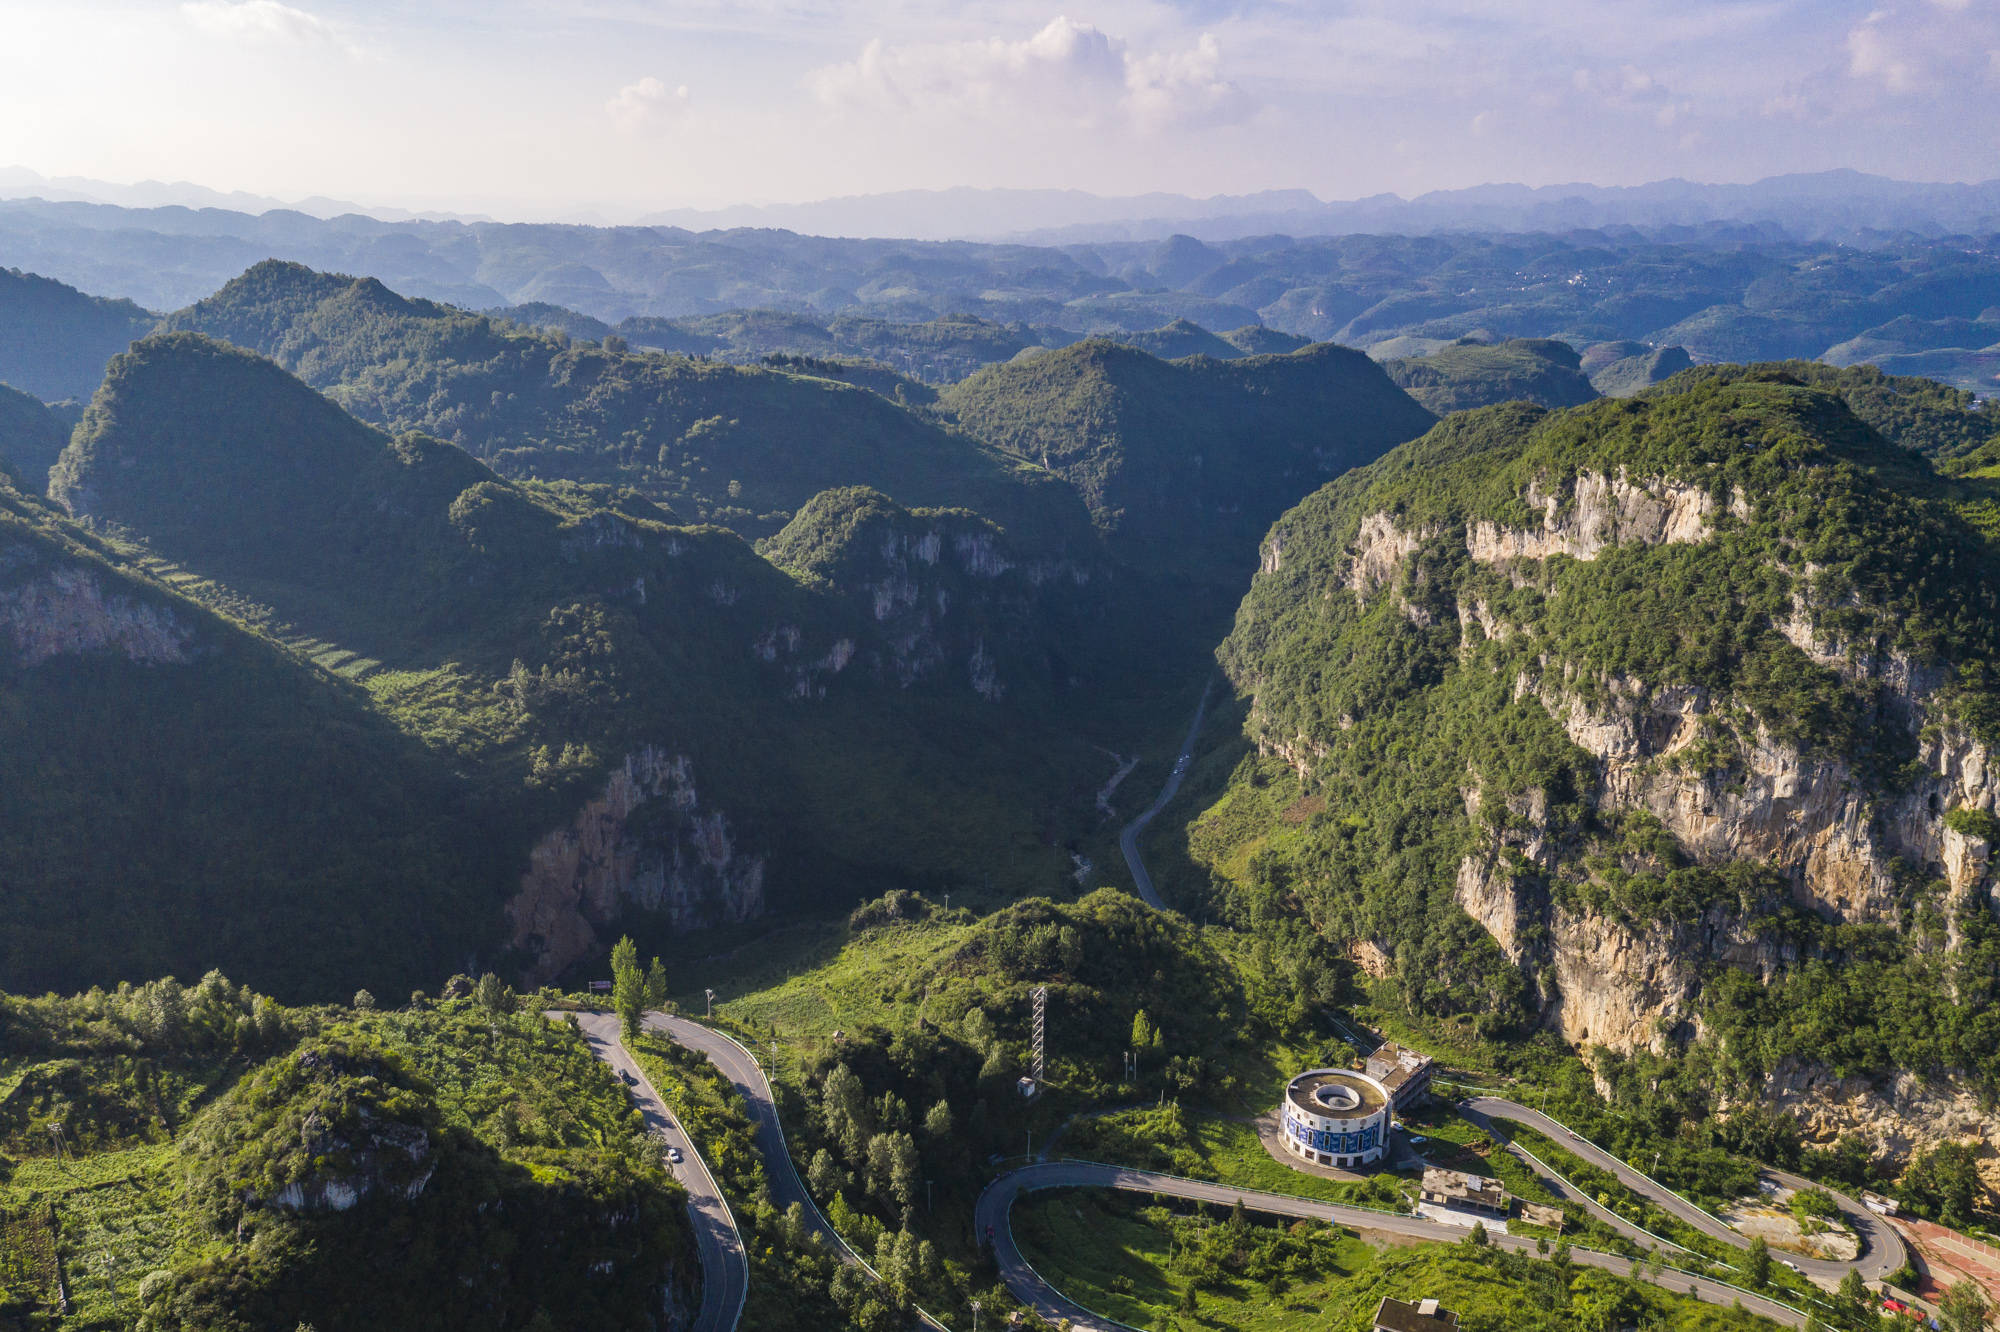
1041,1027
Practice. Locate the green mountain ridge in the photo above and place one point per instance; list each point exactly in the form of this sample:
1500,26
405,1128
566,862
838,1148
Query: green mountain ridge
1183,464
1555,714
740,446
1470,374
565,649
31,436
55,340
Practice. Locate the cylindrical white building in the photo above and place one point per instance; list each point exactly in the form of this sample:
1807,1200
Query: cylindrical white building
1336,1117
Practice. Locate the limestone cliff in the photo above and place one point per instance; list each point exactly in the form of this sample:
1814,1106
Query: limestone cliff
943,600
1715,674
68,610
643,843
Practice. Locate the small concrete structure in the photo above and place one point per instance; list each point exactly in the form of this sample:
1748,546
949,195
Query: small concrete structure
1336,1117
1462,1192
1423,1316
1403,1071
1548,1218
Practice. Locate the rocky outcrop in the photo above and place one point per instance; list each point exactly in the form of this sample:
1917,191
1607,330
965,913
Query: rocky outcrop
1380,548
68,611
683,863
1602,511
348,1148
1728,796
1620,984
1895,1115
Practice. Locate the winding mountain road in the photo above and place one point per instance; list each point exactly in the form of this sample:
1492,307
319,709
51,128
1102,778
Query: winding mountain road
1027,1285
1882,1248
1128,840
725,1270
745,1074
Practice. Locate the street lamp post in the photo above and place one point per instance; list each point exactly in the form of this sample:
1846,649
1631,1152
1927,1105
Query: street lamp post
975,1316
711,1002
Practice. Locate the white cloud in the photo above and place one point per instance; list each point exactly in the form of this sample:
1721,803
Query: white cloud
259,20
1874,53
1939,51
1183,88
646,105
1068,71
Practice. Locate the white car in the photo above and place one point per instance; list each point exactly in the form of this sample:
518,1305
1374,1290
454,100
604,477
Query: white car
674,1155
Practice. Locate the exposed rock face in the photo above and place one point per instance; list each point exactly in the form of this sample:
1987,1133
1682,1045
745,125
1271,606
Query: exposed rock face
1603,511
1896,1115
352,1151
67,611
583,875
1726,787
1609,983
1380,548
1752,798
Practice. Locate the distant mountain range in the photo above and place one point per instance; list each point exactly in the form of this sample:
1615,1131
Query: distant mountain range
1804,207
1842,204
21,183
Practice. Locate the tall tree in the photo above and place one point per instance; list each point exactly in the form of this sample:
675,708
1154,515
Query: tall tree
1965,1308
1756,1266
656,985
628,985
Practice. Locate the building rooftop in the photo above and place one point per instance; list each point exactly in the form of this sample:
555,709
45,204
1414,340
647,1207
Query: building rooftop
1336,1093
1424,1316
1456,1186
1393,1065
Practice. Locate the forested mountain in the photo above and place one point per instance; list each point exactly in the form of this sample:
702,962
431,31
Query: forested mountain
30,436
1184,464
178,792
1656,722
739,446
54,340
906,695
1470,373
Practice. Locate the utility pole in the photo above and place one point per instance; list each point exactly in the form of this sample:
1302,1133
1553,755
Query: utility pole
711,1002
975,1316
1041,1029
927,1196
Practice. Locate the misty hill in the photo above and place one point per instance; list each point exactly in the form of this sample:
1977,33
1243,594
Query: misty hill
1620,369
1470,374
1185,463
1810,206
742,446
1721,290
55,340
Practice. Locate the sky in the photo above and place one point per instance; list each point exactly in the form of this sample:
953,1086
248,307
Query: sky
607,109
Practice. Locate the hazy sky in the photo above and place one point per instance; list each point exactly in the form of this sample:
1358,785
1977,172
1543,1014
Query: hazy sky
524,108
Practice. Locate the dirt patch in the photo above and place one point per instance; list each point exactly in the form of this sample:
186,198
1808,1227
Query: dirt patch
1389,1239
1304,808
1769,1216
